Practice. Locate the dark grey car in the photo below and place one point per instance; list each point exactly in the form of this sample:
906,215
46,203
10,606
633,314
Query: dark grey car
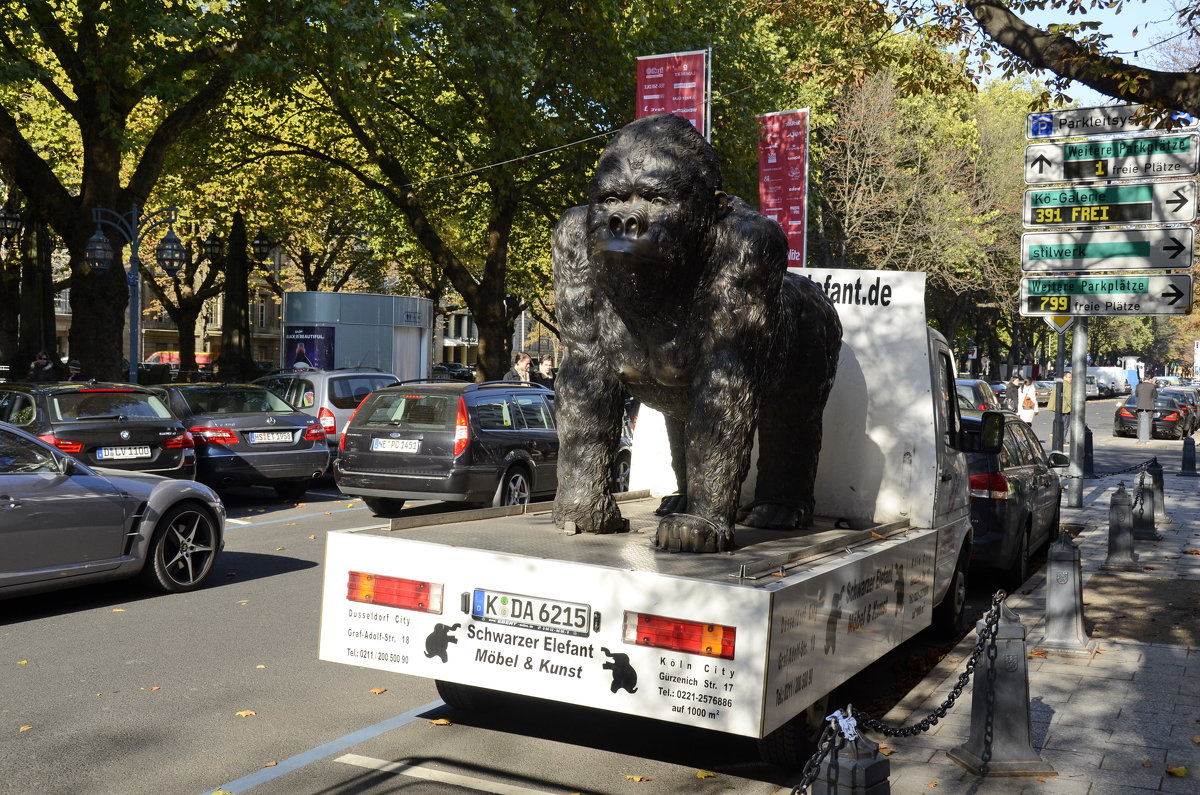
246,435
65,524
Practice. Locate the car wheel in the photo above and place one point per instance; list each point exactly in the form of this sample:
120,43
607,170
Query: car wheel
620,478
949,614
182,551
1055,528
514,488
384,507
1018,572
291,490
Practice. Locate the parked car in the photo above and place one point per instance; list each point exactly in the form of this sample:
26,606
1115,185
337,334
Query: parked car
1190,399
247,435
1015,496
998,389
1169,421
491,443
329,395
119,426
66,524
978,393
1044,391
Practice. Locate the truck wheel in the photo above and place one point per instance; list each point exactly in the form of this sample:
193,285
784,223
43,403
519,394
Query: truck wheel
383,507
794,743
469,698
949,614
514,488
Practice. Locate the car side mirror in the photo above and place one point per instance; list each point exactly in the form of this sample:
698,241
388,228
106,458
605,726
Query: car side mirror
69,466
990,437
1057,459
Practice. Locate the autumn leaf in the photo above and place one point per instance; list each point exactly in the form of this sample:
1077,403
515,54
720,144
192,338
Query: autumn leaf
441,722
378,690
1038,653
245,713
1147,763
260,667
156,687
329,513
24,728
704,774
279,549
637,778
22,662
349,505
1179,771
877,535
932,784
270,764
1192,552
290,524
1196,740
886,750
312,538
118,610
244,602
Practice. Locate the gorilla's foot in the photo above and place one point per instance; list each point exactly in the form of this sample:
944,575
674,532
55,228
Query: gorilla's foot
601,516
685,532
774,516
672,503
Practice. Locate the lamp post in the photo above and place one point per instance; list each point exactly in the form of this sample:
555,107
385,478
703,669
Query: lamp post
133,227
10,222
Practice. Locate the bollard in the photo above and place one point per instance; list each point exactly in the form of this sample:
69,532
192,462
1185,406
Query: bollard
1160,500
1089,470
1145,425
1188,467
857,769
1001,737
1064,601
1121,556
1143,512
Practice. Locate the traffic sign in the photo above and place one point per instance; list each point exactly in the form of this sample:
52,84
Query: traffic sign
1093,121
1133,249
1136,157
1059,323
1141,294
1111,205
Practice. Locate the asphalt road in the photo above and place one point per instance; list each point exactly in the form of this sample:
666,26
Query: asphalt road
127,692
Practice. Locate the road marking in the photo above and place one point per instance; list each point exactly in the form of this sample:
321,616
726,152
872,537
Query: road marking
266,774
235,521
422,771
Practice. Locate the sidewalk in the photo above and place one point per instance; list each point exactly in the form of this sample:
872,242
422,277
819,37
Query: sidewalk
1109,725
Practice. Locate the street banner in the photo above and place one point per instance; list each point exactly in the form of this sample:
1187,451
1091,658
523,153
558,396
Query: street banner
676,83
783,176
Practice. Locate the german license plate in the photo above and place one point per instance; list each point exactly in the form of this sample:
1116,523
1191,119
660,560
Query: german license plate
534,612
123,453
396,445
259,437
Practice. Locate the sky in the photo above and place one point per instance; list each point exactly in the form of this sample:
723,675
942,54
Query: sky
1154,19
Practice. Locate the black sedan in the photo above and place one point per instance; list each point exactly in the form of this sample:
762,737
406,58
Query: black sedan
66,524
1169,421
119,426
1014,499
248,436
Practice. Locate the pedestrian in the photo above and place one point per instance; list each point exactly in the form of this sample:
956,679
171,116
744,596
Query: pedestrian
520,368
76,371
1010,393
42,368
1027,404
545,373
1066,394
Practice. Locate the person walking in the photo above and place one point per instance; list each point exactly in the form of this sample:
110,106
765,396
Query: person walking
42,368
545,373
520,368
1010,393
1027,405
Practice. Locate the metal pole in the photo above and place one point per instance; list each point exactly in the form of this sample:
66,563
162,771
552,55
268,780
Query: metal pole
1060,427
135,313
1079,344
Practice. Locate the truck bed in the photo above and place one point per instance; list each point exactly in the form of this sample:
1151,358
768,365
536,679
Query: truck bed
529,531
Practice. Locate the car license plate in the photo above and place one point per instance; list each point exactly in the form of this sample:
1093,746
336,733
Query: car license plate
547,615
396,445
259,437
123,453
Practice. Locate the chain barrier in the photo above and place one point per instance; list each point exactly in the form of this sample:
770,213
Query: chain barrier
1097,475
842,727
1139,493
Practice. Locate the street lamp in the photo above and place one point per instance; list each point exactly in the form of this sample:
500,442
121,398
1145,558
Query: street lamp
10,222
261,245
133,227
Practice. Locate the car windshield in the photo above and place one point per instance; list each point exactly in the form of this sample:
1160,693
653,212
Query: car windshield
92,404
409,411
233,400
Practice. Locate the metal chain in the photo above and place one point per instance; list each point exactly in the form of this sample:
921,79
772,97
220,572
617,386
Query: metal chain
1139,493
1098,475
830,742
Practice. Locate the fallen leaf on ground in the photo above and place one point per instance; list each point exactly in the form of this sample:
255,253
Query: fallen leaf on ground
312,538
1196,740
378,690
118,610
279,549
932,784
1179,771
704,774
329,513
1192,552
1147,763
637,778
260,667
245,713
244,602
22,662
270,764
1039,653
349,505
441,722
24,729
156,687
886,750
290,524
877,535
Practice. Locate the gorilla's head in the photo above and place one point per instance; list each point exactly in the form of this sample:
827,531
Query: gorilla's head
654,199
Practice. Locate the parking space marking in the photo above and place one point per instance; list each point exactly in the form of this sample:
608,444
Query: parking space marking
266,774
235,521
426,773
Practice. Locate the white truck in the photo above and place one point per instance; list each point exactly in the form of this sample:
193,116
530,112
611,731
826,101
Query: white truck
749,642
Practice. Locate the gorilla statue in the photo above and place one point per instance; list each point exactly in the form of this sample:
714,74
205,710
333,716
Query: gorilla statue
672,291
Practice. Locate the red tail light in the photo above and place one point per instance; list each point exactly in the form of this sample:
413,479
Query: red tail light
375,589
1127,414
462,430
210,436
696,637
314,432
62,444
1172,417
327,420
983,407
989,486
342,439
184,441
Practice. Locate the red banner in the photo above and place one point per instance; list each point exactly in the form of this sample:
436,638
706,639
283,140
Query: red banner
675,83
783,176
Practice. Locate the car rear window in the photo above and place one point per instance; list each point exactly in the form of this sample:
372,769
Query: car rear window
89,405
237,400
346,392
409,412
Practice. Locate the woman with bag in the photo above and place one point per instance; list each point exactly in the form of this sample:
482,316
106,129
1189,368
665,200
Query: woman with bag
1027,405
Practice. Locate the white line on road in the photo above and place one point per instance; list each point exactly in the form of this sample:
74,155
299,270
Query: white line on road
235,521
423,771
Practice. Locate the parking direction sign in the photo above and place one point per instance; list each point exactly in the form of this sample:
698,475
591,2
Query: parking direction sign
1077,296
1168,248
1111,205
1135,157
1076,122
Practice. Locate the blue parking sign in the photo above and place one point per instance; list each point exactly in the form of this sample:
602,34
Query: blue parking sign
1041,125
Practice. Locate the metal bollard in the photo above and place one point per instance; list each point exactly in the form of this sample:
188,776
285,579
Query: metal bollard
1121,556
1145,426
1089,469
1064,601
1001,740
1160,500
857,769
1143,513
1188,467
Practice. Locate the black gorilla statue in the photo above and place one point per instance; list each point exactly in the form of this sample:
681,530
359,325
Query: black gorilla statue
670,290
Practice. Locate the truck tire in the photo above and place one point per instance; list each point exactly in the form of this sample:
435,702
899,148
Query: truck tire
949,614
469,698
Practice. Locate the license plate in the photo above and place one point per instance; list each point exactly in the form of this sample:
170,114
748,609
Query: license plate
533,612
123,453
396,445
259,437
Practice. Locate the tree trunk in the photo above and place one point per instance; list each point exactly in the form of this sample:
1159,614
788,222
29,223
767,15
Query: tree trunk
236,360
